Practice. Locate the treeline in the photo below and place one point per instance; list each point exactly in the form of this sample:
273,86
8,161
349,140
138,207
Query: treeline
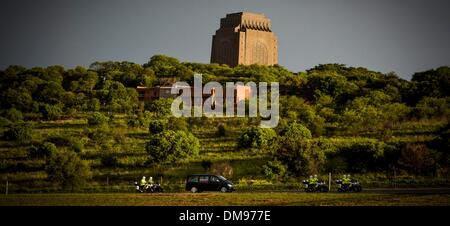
326,93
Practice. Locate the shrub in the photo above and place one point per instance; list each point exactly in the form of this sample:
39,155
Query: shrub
43,150
274,169
336,164
108,157
171,147
296,130
157,126
13,115
302,157
18,132
417,159
65,168
100,135
4,122
92,105
161,107
363,156
77,146
177,123
221,131
50,112
206,165
134,122
97,118
257,138
59,139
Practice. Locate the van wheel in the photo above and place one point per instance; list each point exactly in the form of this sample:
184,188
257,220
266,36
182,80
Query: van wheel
194,190
223,189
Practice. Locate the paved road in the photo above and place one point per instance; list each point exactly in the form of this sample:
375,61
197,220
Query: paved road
376,190
409,190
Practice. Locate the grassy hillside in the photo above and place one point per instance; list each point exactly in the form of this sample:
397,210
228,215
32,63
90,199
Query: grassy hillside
60,127
242,166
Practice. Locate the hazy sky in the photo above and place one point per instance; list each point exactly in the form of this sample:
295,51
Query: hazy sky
384,35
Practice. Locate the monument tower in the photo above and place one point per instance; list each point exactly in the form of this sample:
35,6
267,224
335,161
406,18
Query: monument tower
244,38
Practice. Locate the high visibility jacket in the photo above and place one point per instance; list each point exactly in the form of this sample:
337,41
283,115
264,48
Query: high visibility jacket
346,180
143,182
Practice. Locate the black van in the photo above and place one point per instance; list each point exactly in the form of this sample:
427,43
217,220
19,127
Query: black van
207,182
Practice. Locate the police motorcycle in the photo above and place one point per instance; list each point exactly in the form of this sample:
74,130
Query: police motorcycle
320,186
353,186
148,188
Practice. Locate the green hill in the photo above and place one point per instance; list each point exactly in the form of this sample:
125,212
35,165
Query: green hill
382,129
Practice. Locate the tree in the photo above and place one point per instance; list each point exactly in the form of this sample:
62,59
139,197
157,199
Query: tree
302,157
117,98
431,107
431,83
18,132
50,112
363,156
257,138
13,115
43,150
66,169
274,169
294,108
108,157
296,131
171,147
97,118
161,107
221,130
163,66
417,159
50,93
157,126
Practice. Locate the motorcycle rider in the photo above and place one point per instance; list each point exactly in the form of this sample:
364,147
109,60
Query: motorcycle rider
310,180
314,181
346,180
150,182
143,181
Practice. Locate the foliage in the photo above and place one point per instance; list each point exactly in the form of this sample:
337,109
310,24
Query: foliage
18,132
171,147
65,168
221,131
296,131
274,169
108,157
302,157
417,159
257,138
50,112
13,115
161,107
432,107
43,150
157,126
97,118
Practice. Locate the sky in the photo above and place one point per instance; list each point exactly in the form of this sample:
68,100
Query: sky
386,35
